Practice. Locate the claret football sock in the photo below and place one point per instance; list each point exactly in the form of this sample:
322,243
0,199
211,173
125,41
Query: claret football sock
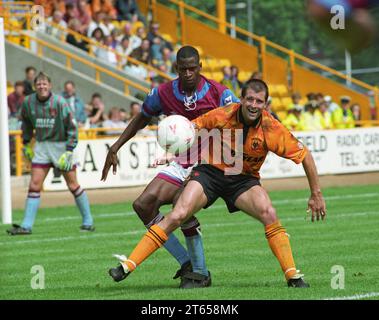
153,239
172,245
82,202
195,248
31,207
280,246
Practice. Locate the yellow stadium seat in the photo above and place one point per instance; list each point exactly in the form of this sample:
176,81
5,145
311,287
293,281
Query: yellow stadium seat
224,62
275,103
244,75
282,90
217,76
281,115
208,75
213,65
286,101
167,37
116,24
272,90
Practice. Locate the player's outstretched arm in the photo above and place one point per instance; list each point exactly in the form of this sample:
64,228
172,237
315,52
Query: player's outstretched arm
316,203
137,123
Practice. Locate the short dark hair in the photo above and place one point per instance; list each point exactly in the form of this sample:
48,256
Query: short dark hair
69,82
19,84
30,68
42,76
188,52
257,85
96,95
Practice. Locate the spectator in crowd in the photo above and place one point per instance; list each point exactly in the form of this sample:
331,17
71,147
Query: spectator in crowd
30,73
311,118
356,111
156,47
342,117
256,75
371,96
71,13
50,6
124,49
269,109
98,36
141,54
319,97
168,61
16,98
108,24
326,117
235,71
124,116
311,96
115,34
155,33
104,6
128,10
114,121
74,40
296,98
106,53
292,121
97,22
57,19
136,39
330,104
135,109
84,15
96,111
75,102
227,73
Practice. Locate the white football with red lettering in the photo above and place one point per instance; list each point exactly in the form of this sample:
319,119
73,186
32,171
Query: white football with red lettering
175,134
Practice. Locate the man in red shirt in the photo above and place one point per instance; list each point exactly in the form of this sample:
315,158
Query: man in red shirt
16,98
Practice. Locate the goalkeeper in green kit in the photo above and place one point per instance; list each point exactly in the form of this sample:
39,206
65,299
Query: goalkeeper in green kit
56,136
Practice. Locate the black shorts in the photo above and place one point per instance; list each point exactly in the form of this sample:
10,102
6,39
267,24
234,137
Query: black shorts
216,184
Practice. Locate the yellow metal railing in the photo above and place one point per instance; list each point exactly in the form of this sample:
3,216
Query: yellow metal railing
91,42
263,44
84,134
70,56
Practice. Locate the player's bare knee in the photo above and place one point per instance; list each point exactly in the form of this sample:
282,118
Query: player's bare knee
35,185
146,206
178,216
268,214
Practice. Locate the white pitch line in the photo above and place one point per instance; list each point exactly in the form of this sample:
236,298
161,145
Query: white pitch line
356,296
275,202
209,225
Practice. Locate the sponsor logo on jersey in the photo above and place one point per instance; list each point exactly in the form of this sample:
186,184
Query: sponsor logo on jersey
45,123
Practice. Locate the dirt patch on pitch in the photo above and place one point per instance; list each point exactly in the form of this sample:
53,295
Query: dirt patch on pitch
106,196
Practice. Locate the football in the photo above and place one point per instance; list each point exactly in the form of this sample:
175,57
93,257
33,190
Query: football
175,134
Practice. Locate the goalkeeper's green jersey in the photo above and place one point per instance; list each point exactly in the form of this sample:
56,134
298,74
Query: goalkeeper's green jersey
53,120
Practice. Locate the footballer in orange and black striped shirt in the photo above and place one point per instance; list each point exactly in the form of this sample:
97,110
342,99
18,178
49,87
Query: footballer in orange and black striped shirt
240,191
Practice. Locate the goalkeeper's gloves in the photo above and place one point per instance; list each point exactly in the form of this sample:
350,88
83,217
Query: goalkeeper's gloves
27,150
65,162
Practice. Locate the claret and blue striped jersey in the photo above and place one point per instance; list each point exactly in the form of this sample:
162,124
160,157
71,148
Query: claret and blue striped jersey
52,120
169,98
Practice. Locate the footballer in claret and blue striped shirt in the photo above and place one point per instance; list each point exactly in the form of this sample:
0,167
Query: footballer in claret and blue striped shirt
47,117
190,95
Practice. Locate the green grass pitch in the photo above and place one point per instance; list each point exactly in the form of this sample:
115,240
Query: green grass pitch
237,252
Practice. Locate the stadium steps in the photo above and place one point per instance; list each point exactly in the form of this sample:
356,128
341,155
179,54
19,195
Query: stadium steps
86,69
18,58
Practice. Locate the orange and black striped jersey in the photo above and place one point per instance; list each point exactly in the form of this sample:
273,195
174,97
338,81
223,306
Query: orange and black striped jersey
268,134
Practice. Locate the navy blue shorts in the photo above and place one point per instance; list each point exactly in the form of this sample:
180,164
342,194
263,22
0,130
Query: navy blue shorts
216,184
